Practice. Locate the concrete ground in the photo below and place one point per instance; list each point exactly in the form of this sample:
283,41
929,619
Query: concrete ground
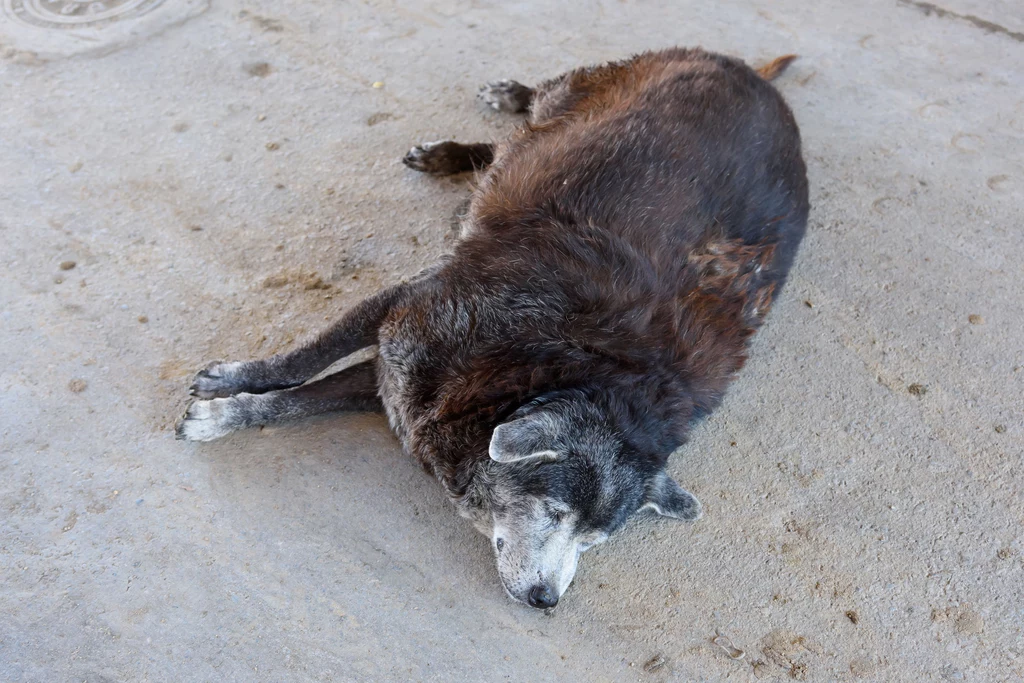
185,181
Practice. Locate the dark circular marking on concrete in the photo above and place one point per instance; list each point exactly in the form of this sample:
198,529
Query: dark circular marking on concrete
71,14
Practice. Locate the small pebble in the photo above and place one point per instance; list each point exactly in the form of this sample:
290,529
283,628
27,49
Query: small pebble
77,386
67,265
261,118
378,84
975,319
143,319
1000,429
917,389
271,146
808,304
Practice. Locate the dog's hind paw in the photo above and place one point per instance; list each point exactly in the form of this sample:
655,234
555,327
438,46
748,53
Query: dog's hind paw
427,158
446,157
219,380
209,420
507,96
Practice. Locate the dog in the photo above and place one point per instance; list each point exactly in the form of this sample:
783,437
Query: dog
620,250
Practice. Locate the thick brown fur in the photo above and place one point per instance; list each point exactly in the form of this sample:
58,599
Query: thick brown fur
629,239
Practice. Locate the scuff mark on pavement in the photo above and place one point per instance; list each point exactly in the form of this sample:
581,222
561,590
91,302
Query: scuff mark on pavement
984,24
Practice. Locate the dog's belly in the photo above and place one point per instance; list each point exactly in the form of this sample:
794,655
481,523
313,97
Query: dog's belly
395,387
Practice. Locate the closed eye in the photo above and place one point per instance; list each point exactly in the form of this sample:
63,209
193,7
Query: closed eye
557,515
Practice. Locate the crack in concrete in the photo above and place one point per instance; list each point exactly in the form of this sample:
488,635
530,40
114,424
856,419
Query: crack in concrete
984,24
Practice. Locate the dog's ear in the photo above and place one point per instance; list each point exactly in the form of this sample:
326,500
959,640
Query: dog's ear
528,438
668,499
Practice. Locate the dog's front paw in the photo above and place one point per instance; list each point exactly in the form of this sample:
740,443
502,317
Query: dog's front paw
508,96
218,380
209,420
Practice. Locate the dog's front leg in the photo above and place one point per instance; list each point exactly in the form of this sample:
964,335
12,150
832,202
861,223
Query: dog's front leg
354,388
357,329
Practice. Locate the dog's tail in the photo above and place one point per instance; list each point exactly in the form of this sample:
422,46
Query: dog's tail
774,68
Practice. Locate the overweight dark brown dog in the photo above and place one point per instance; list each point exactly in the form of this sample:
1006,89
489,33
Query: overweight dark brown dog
620,250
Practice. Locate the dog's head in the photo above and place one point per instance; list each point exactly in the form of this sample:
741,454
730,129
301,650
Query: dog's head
561,481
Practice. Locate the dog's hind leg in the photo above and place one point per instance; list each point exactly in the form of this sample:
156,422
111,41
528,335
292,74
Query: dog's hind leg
354,389
357,329
446,157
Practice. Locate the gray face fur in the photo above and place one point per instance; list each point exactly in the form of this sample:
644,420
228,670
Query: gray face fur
559,481
537,543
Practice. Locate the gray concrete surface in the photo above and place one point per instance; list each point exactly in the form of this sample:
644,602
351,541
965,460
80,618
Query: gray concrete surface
209,168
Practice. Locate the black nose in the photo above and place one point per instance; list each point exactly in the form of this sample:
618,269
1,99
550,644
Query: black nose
542,597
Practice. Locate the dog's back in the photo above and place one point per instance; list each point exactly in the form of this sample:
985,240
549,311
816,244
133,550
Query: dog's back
667,150
633,234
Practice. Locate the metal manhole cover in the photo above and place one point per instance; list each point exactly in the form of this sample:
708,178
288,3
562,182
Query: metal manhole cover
76,13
